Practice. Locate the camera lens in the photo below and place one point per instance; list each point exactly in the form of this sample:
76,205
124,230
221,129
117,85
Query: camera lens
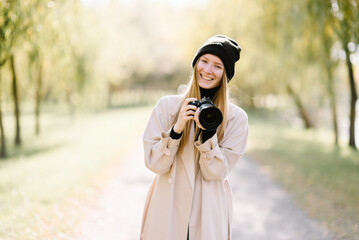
210,117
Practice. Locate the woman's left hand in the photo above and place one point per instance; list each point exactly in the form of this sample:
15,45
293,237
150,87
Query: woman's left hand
196,119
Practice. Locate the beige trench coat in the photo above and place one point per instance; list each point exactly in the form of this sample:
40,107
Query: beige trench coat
179,198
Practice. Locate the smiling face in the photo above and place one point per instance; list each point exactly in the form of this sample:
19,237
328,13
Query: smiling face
209,71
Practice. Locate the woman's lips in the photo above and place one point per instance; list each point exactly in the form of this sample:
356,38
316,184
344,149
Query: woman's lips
206,78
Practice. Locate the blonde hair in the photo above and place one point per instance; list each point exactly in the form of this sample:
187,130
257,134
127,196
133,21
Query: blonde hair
220,99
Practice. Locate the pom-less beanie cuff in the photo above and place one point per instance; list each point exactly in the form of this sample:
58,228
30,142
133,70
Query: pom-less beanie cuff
225,48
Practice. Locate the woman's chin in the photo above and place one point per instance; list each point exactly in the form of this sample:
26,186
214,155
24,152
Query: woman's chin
206,85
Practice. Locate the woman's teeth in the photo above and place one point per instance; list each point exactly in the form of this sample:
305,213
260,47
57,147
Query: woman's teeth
206,78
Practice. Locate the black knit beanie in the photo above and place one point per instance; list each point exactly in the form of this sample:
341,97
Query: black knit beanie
225,48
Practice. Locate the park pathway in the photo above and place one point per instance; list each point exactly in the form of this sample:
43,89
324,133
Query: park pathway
262,208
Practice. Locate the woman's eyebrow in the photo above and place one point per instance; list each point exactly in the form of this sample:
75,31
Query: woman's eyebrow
218,63
215,62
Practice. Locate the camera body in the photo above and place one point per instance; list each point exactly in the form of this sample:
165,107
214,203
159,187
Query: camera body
210,116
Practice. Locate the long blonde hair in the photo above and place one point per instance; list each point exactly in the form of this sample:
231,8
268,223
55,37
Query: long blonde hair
220,99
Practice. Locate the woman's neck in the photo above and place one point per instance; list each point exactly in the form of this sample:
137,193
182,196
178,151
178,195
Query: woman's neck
208,92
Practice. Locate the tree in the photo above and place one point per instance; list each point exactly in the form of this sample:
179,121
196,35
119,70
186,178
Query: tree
36,71
15,23
4,52
285,40
322,23
15,94
337,21
37,41
3,152
346,14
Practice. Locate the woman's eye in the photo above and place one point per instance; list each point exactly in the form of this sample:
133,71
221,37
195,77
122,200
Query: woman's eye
203,60
218,67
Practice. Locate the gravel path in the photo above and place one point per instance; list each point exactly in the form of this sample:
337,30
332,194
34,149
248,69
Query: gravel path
262,209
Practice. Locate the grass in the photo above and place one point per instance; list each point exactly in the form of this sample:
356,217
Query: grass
46,185
323,179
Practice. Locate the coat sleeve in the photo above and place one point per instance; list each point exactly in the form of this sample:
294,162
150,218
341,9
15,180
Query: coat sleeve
159,148
216,161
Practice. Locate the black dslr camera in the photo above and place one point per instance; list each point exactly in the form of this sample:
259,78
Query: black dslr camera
210,116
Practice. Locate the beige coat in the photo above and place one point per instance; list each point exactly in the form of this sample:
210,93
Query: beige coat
179,197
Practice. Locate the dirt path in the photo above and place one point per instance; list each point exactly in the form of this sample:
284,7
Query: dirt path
119,212
262,209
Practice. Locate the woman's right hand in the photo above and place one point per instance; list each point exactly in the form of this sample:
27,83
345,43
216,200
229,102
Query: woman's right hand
186,113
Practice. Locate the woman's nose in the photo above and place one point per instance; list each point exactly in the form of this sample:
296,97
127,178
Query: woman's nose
208,68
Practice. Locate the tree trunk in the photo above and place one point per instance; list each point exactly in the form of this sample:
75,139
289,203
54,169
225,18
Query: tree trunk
335,121
353,98
38,99
3,153
16,101
333,106
302,111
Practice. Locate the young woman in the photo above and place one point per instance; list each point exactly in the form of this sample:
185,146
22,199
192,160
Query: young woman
190,197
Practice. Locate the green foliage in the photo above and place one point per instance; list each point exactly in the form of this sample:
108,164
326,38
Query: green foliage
112,42
323,178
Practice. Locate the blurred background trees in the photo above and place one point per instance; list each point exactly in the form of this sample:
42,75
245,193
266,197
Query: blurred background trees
88,55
